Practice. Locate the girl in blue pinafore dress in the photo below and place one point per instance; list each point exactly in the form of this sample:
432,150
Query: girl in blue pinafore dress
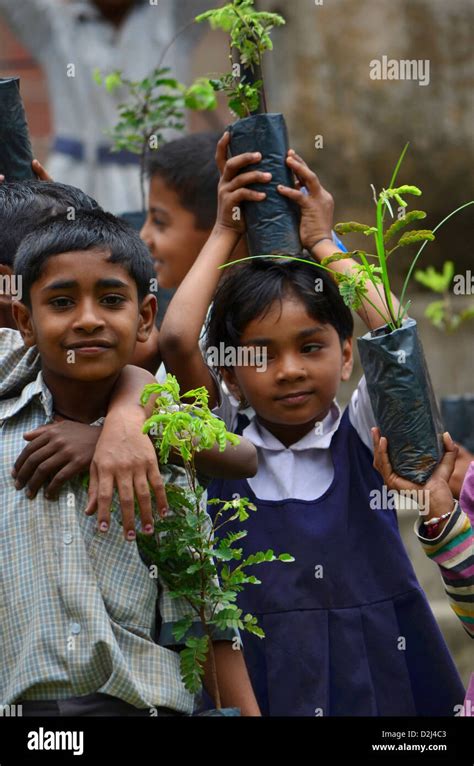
348,629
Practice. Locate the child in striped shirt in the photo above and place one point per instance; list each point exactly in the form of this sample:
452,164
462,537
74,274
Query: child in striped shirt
445,533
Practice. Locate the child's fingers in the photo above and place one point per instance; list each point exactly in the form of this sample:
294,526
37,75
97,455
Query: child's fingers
25,462
446,467
381,459
221,151
246,195
143,496
65,474
91,506
292,153
40,475
245,179
156,483
127,505
449,444
375,437
304,174
30,435
233,165
40,171
295,194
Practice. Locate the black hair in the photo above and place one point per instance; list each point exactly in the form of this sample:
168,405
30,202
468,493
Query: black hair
23,204
249,289
188,166
89,230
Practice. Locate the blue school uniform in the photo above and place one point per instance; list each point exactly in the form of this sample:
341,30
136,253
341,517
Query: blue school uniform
348,628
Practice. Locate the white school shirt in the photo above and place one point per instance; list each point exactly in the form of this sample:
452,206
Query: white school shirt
305,470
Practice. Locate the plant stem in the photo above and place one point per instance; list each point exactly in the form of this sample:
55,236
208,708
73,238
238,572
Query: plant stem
259,61
383,263
214,691
397,168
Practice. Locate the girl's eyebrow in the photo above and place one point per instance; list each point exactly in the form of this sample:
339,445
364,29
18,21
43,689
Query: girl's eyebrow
311,331
303,334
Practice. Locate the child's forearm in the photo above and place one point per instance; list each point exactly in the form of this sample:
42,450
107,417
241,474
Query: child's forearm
187,311
127,392
181,328
239,462
233,680
367,312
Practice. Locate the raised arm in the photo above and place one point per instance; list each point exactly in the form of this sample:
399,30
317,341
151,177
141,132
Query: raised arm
181,328
317,216
32,21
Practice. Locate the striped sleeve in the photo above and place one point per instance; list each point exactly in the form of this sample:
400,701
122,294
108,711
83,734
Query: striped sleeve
453,552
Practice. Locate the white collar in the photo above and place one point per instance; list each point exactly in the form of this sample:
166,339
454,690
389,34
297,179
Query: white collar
319,438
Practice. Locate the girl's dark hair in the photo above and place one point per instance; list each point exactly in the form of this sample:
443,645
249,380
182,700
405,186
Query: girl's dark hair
249,289
88,230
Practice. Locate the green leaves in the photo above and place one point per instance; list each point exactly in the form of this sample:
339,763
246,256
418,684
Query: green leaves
441,313
353,284
437,281
154,105
190,552
412,237
249,29
249,33
401,223
200,95
353,226
192,663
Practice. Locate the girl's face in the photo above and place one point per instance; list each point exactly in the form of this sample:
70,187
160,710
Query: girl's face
304,365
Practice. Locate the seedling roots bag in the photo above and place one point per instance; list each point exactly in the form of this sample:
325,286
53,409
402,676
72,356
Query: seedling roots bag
15,148
272,224
402,399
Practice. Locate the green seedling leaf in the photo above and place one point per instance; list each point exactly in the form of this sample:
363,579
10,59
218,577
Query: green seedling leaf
403,190
435,280
113,81
401,223
353,227
412,237
200,95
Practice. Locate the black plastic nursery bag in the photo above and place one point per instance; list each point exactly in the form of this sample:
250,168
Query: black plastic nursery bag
273,224
15,147
402,399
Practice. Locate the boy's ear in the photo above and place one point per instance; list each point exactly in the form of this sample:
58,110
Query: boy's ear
347,359
146,319
5,297
22,316
229,378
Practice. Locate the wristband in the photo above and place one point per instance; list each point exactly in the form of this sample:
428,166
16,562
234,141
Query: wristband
432,525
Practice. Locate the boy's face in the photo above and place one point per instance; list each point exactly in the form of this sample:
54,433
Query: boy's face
171,234
304,365
85,316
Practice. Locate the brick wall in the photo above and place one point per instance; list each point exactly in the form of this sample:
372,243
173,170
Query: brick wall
16,61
